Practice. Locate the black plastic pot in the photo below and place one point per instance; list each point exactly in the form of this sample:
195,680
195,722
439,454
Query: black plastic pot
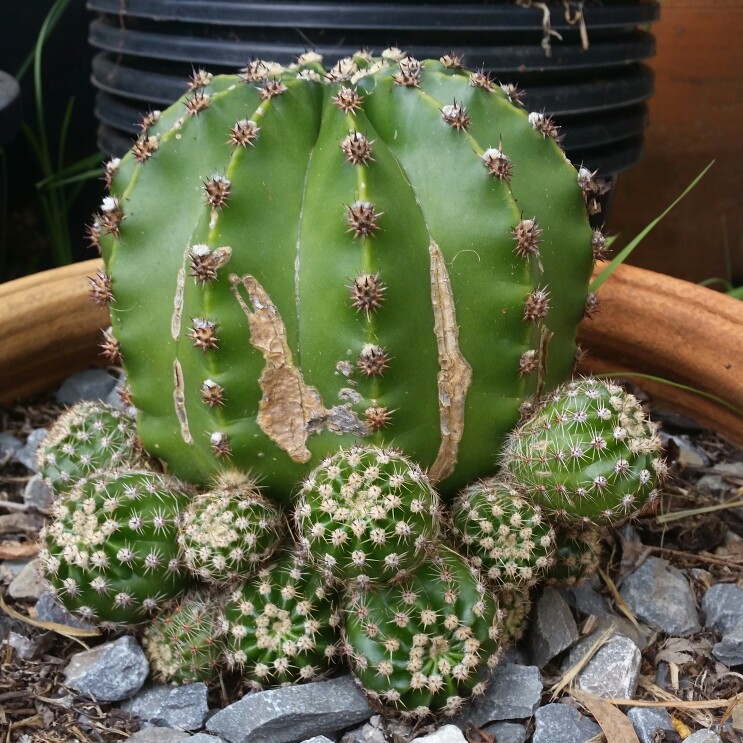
597,94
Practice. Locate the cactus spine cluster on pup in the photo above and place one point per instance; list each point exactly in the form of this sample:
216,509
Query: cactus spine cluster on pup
387,251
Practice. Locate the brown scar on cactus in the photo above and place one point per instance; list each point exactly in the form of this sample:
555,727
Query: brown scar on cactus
455,373
179,402
289,409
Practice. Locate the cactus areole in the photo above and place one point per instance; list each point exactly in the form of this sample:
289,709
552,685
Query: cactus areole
388,252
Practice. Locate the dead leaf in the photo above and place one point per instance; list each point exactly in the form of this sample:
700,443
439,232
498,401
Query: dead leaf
615,725
16,550
676,650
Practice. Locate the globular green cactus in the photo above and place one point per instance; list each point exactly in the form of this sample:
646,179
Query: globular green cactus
185,643
110,552
577,556
503,534
283,625
589,455
367,514
387,251
88,437
226,533
514,605
424,645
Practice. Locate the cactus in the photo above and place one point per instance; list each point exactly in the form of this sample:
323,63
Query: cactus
589,455
185,644
514,604
384,252
110,553
577,556
423,645
226,533
366,514
88,437
282,625
503,534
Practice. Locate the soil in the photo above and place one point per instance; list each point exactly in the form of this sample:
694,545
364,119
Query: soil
36,707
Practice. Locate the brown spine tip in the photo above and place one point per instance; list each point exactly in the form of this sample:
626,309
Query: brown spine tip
514,95
100,289
357,148
537,305
592,188
220,444
592,306
343,69
93,232
455,115
217,190
373,360
199,79
452,61
272,88
255,71
361,217
148,120
545,126
203,333
378,417
204,263
111,215
527,235
599,247
125,395
367,293
197,103
482,79
580,355
110,348
244,133
348,101
145,147
110,169
528,363
212,393
498,164
409,73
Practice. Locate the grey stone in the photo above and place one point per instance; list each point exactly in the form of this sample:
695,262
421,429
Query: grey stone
91,384
37,494
292,713
688,454
659,595
703,736
9,446
558,722
315,739
623,626
723,607
28,584
445,734
730,649
183,707
48,609
647,721
10,569
613,671
369,732
713,484
24,648
514,693
206,738
159,735
109,672
506,732
26,455
586,600
552,627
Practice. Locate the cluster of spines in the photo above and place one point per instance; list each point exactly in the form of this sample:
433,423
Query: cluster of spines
577,556
366,514
588,455
111,551
228,532
503,534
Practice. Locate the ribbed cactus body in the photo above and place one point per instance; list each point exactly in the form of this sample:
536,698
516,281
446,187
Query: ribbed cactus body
282,625
577,556
88,437
423,645
384,252
111,552
366,514
589,455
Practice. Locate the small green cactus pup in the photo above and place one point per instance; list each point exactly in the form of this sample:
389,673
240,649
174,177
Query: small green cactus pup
227,533
185,643
385,251
111,551
514,605
90,436
366,514
589,454
503,534
577,556
283,625
422,646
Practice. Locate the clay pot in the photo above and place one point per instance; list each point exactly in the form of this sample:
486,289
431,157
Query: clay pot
649,323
